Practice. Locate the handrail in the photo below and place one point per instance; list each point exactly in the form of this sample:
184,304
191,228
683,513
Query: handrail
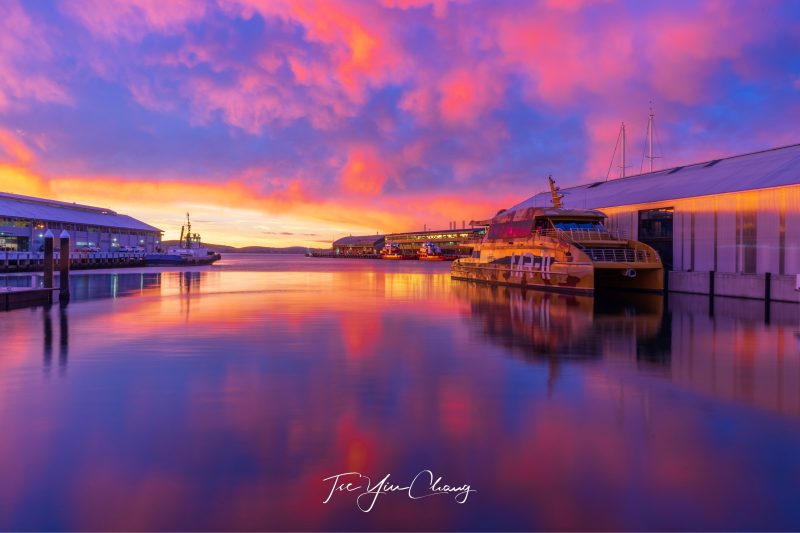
619,255
578,235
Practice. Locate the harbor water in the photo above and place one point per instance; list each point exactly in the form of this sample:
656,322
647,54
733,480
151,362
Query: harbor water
227,397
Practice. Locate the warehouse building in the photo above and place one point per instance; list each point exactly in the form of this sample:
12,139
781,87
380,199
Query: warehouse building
728,226
24,221
453,241
360,245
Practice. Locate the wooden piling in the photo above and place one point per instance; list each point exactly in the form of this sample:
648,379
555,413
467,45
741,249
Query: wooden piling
63,292
48,260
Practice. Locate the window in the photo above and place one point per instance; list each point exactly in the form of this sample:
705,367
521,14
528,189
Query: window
510,230
588,225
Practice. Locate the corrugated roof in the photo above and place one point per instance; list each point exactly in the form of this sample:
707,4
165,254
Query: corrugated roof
759,170
16,205
366,240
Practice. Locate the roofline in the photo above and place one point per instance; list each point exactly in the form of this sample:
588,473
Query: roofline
665,170
56,203
430,231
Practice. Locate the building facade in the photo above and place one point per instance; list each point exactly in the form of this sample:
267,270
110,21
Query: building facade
358,245
728,226
451,241
24,220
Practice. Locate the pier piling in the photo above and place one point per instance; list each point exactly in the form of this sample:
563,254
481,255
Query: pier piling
48,260
63,292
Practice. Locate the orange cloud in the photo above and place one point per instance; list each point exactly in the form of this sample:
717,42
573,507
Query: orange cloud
364,173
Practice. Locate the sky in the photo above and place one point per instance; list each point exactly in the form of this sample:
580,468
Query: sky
295,122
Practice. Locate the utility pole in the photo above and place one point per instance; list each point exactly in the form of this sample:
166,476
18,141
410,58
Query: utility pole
650,136
622,154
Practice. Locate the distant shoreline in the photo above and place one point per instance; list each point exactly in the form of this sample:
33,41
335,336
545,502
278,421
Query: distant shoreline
225,249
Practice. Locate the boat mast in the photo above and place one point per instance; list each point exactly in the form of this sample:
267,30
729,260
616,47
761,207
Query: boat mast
554,193
188,232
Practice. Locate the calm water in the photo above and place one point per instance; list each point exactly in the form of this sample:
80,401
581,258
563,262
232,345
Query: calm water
221,398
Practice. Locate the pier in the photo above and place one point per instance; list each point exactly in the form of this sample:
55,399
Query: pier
17,297
34,261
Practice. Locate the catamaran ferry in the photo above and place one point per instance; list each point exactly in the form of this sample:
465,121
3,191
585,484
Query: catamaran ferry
561,249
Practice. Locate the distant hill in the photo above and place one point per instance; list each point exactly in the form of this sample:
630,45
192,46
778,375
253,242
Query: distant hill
225,249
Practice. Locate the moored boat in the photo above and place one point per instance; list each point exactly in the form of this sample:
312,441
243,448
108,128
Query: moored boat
189,252
562,249
430,252
391,251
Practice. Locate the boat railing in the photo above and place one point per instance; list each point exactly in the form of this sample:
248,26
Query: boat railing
620,255
582,235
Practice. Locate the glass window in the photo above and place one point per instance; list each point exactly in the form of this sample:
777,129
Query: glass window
510,230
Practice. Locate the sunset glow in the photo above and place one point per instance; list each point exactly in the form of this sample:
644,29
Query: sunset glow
295,122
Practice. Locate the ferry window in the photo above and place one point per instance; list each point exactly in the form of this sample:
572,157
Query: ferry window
510,230
577,225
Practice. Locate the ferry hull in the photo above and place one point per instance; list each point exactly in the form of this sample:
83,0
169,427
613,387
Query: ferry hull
570,278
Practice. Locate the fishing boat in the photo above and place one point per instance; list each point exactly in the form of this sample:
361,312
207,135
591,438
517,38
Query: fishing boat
561,249
430,252
190,251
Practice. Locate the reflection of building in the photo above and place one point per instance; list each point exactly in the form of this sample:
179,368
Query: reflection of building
451,241
364,245
738,216
24,221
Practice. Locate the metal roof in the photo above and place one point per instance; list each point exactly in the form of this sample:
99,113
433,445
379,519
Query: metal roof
528,213
758,170
28,207
366,240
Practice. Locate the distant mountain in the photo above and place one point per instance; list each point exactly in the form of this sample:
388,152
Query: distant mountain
225,249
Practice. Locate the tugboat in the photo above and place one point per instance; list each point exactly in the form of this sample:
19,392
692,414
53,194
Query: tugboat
189,252
391,251
560,249
430,252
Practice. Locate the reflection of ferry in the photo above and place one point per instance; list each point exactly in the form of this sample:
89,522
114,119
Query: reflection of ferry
567,325
560,249
190,251
391,251
430,252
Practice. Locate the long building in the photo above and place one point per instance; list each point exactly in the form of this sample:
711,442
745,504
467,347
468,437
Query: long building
452,241
25,219
728,226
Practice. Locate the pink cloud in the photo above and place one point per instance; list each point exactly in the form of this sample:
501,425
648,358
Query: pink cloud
133,19
25,55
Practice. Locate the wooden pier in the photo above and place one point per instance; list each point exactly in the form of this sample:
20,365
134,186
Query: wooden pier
17,297
34,261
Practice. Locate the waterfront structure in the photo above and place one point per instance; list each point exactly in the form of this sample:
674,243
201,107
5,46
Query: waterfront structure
729,226
24,220
451,242
358,245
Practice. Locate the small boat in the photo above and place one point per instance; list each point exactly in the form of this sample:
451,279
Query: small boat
189,252
430,252
391,251
561,249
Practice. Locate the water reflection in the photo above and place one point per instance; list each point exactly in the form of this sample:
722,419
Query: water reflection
220,399
545,324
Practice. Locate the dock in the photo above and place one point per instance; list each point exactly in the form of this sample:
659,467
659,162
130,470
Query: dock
17,297
34,261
